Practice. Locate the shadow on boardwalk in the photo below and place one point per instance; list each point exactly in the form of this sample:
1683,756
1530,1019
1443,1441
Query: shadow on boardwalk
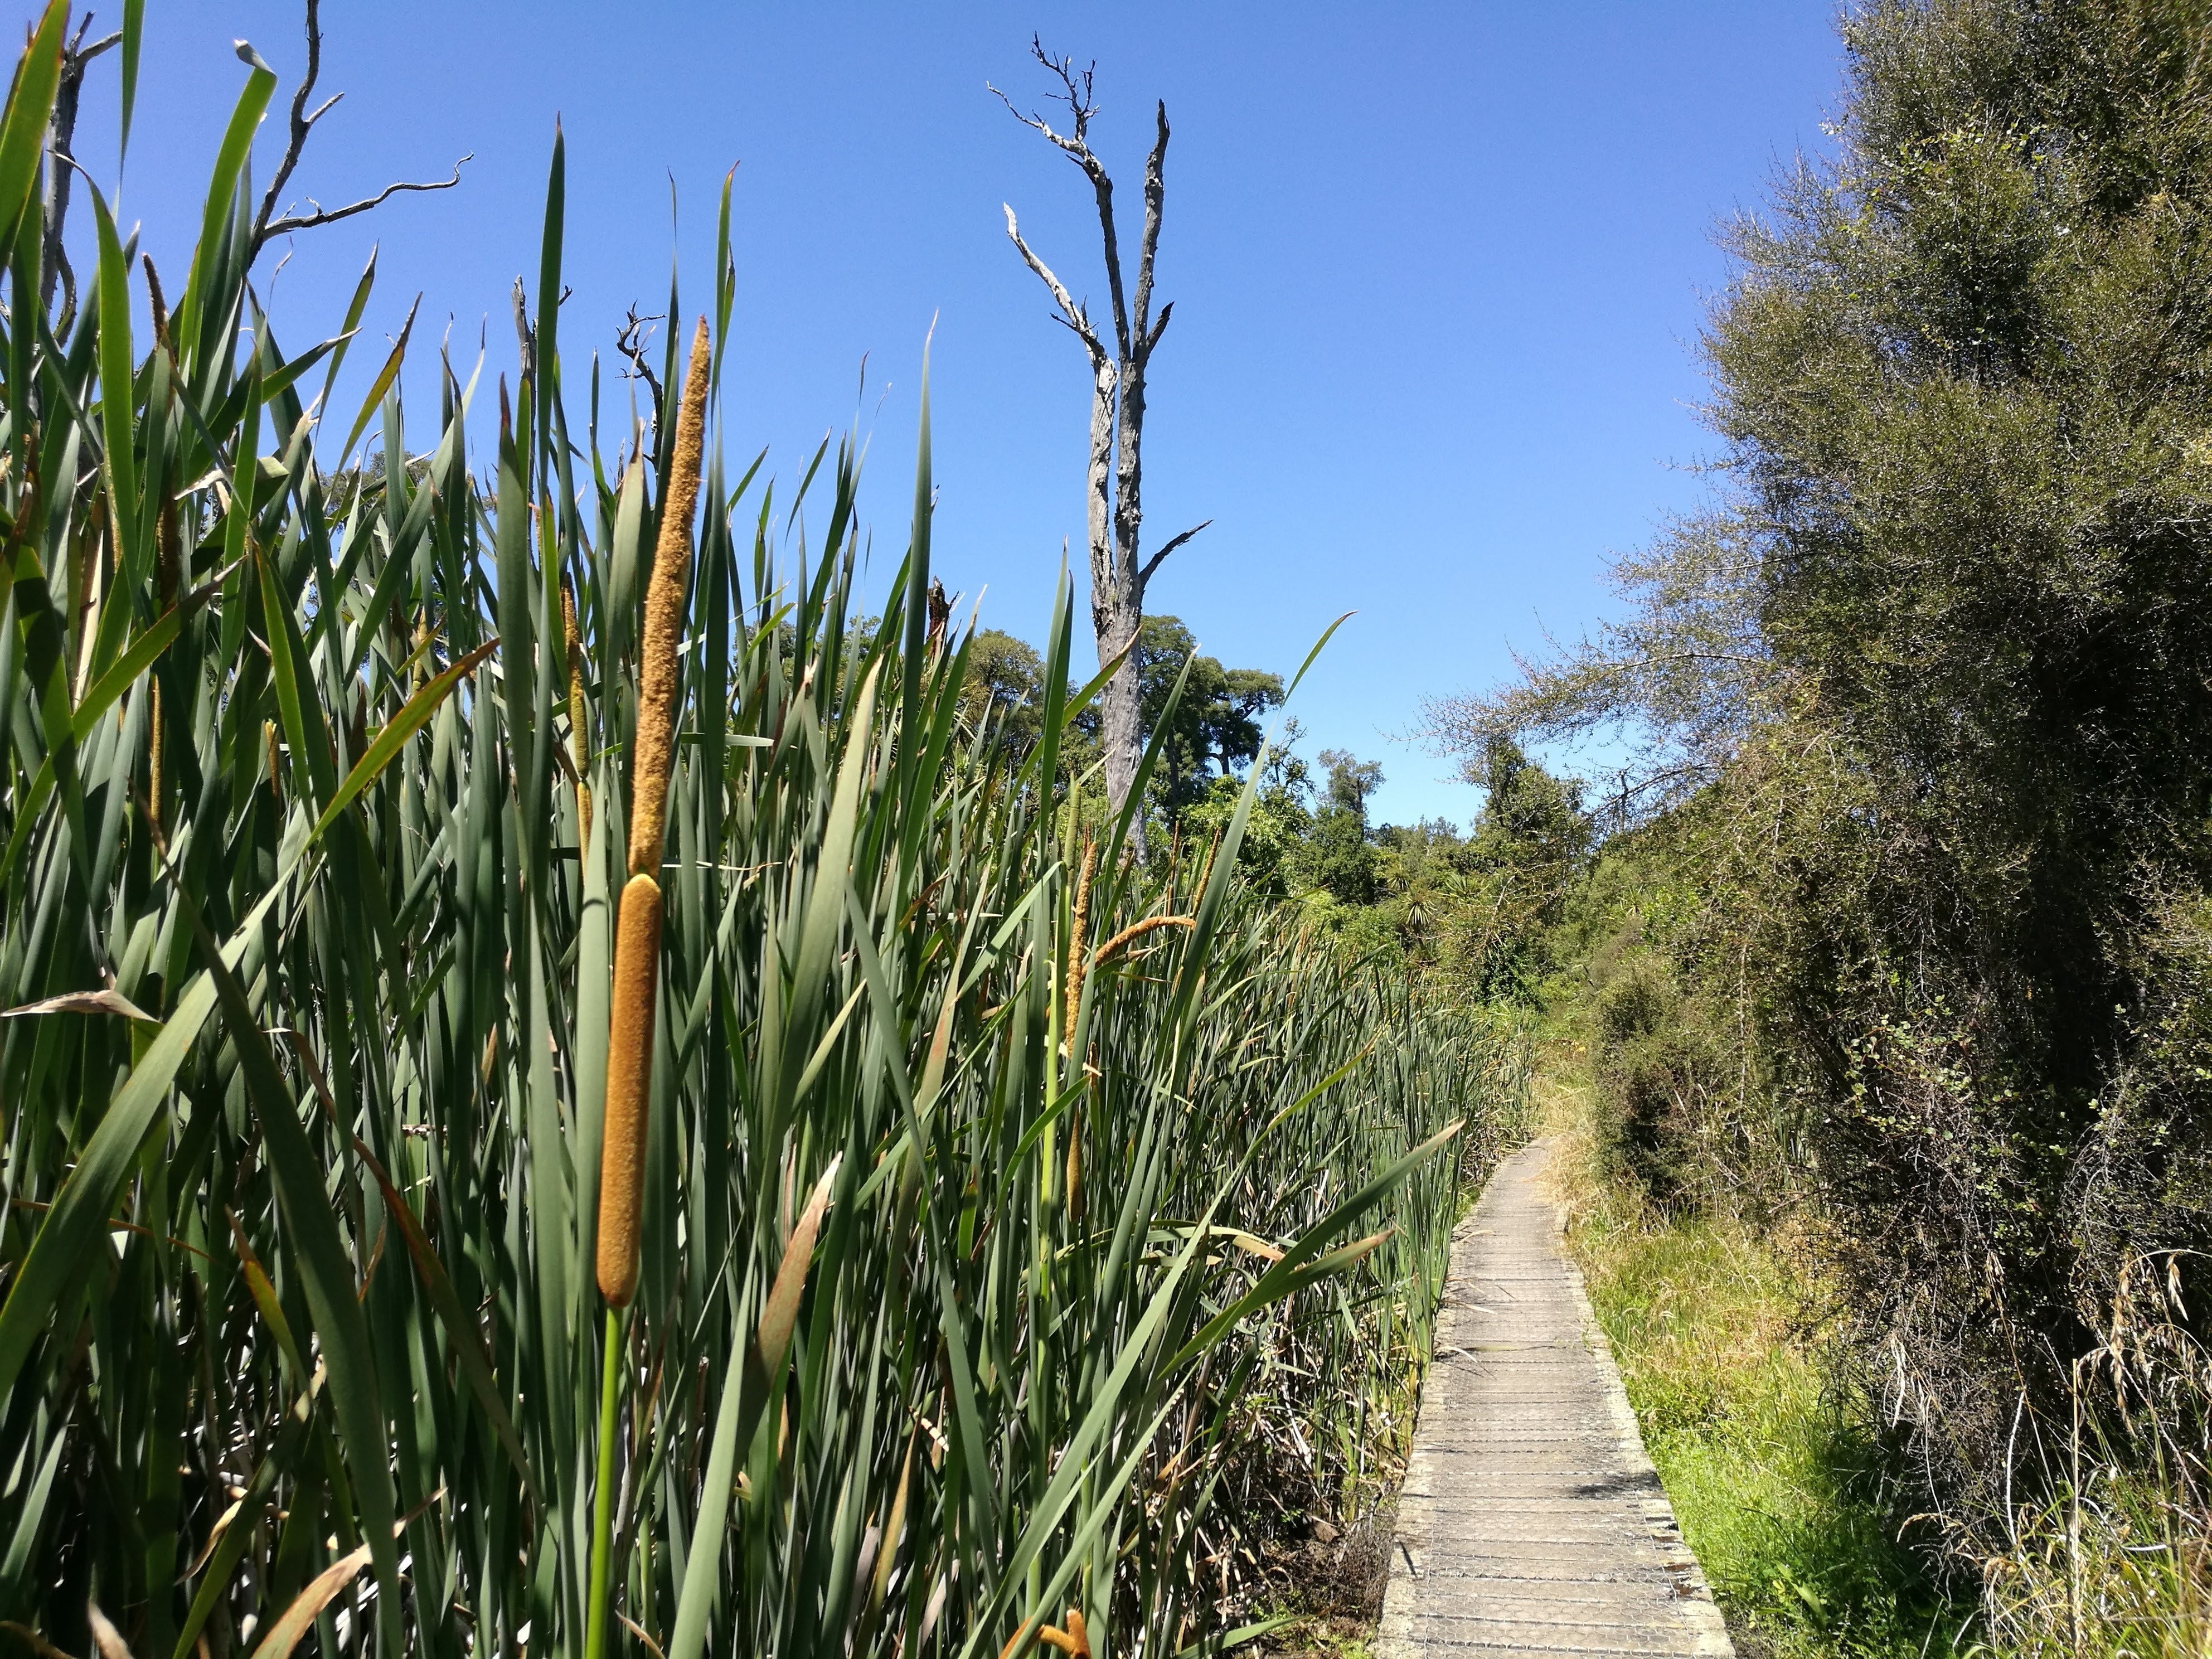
1531,1521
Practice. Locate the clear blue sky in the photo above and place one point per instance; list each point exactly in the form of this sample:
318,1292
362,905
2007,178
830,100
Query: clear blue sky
1439,271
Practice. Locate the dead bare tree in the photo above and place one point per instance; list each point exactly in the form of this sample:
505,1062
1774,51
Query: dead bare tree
62,166
61,172
636,330
1115,480
265,225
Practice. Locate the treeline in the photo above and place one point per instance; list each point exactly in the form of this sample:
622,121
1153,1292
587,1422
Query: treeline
1473,916
1914,923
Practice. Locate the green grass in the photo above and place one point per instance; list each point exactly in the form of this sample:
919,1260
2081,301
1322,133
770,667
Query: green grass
1784,1497
1777,1491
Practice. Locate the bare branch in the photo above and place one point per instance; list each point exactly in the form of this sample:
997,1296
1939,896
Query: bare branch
84,54
1083,104
1077,96
1151,564
1071,313
1158,328
302,123
331,216
76,54
1155,200
630,342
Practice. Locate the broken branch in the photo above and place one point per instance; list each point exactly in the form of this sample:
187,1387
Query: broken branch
1173,543
266,227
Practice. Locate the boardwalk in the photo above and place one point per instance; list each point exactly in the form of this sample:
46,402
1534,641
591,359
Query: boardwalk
1531,1519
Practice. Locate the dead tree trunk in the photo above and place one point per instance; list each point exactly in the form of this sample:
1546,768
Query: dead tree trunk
1114,483
61,169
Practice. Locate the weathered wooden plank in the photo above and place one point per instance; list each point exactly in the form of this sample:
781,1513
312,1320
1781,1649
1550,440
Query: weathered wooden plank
1531,1520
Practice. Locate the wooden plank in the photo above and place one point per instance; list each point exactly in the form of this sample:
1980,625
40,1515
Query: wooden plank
1531,1520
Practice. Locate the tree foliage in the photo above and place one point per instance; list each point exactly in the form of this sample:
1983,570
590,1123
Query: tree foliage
1213,726
1940,660
1213,730
1003,694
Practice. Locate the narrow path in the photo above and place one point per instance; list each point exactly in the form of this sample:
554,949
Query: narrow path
1531,1521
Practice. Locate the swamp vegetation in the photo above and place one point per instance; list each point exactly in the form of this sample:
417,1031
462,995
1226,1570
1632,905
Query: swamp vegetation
993,1234
1894,960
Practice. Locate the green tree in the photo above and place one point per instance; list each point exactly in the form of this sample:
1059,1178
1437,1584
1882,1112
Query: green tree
1422,866
1214,730
1529,846
1280,821
1336,857
1004,691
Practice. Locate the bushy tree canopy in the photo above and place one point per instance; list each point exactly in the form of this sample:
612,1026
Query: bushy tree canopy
1214,730
1941,660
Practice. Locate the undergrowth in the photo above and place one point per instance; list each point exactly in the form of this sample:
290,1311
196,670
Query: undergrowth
1778,1492
2112,1558
559,1093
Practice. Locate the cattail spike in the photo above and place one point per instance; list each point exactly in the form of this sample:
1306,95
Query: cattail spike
652,752
1078,931
629,1085
157,302
153,756
1135,931
1074,1171
1074,1641
637,945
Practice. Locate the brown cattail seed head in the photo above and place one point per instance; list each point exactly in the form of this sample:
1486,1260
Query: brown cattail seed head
1074,1171
153,781
629,1085
637,943
1135,931
652,754
156,301
1078,931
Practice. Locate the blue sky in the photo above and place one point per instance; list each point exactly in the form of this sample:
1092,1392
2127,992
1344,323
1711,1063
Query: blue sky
1439,271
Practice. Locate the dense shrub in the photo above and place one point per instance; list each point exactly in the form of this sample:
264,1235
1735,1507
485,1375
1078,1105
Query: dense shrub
1933,678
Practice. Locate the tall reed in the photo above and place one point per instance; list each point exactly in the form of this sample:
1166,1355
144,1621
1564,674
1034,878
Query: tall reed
950,1291
637,946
